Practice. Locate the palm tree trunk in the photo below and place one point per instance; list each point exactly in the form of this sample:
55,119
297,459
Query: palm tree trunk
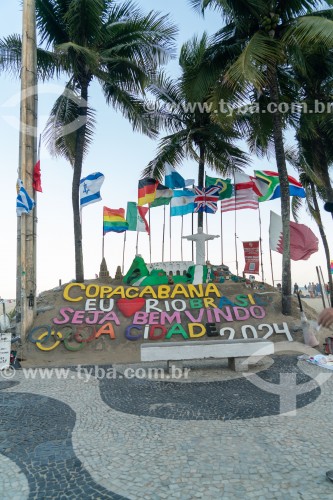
201,175
285,197
323,238
79,148
322,168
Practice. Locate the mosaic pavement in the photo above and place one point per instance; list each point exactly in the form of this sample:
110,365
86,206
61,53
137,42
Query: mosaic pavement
77,437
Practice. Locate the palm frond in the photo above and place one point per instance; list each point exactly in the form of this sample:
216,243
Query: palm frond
296,206
309,30
231,9
74,56
48,65
84,21
251,67
10,54
50,21
171,149
63,123
132,108
147,39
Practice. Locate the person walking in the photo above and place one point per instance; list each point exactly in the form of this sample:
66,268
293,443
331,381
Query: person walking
295,289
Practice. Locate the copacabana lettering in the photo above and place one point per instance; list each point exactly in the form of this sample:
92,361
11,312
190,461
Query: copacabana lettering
93,291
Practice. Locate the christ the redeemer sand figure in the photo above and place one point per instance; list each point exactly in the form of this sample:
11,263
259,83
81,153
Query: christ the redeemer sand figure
200,238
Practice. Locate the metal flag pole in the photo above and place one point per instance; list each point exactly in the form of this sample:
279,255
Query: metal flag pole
170,231
235,191
221,237
103,236
149,235
192,233
137,243
260,245
181,240
123,266
270,254
207,233
205,208
163,233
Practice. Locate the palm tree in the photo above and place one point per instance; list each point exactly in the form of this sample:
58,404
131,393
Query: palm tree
184,111
262,31
313,77
93,39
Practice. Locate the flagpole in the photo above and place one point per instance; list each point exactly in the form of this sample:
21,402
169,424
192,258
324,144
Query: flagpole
170,233
181,240
236,226
123,266
205,208
260,244
270,254
206,230
103,246
221,237
149,235
137,243
163,233
192,233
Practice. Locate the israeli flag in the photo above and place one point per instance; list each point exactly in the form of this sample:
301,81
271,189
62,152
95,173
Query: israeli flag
90,188
24,204
174,180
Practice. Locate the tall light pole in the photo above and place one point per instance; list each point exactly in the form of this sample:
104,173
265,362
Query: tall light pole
26,224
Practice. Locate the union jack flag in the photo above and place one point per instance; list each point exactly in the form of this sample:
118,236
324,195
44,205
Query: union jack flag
206,199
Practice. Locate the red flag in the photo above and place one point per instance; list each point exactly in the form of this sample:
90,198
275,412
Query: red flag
251,254
36,183
303,242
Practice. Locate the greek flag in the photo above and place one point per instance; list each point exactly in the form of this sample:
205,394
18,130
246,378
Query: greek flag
24,204
90,188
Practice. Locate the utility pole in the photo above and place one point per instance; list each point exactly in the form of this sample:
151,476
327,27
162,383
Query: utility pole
26,224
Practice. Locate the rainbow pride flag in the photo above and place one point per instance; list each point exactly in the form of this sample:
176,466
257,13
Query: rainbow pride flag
114,220
331,266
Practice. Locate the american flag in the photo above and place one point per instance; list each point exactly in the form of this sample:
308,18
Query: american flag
206,199
245,198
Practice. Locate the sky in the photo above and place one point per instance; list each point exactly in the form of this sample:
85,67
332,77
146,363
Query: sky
121,155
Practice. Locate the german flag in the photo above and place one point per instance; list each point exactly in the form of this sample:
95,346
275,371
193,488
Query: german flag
147,190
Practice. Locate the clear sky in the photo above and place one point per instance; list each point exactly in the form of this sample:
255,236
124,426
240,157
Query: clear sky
120,155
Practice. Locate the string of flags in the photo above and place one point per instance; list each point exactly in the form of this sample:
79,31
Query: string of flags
245,192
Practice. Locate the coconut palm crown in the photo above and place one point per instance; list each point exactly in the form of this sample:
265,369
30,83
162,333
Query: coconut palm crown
184,110
103,40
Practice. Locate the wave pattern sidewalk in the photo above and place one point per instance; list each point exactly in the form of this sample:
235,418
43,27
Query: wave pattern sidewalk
73,439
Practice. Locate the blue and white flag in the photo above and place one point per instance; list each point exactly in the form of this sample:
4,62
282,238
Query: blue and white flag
90,188
24,204
174,180
182,202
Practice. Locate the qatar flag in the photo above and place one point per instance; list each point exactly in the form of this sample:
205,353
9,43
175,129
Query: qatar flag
303,243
